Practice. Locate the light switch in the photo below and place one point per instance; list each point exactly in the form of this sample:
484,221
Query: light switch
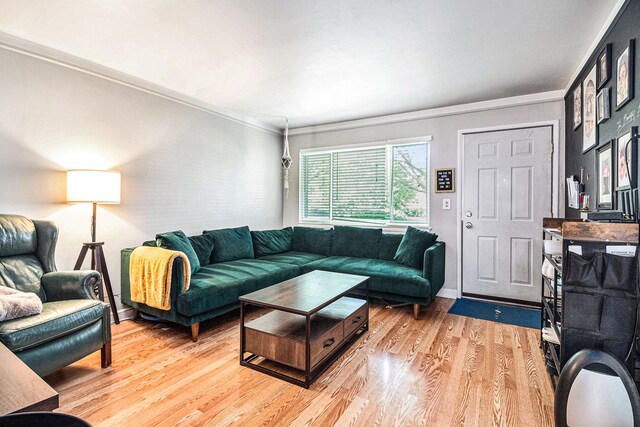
446,204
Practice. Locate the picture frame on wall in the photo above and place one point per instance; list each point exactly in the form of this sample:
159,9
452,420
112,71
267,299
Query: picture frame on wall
604,66
589,128
605,198
626,161
625,75
577,107
603,107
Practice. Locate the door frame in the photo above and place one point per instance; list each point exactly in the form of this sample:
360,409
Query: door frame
555,181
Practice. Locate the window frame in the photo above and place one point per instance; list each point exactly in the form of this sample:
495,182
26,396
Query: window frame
388,145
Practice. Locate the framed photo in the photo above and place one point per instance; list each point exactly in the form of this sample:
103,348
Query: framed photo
626,158
625,75
604,66
589,129
577,107
604,168
603,108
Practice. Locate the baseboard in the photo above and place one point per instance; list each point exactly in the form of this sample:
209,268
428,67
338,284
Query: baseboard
127,313
448,293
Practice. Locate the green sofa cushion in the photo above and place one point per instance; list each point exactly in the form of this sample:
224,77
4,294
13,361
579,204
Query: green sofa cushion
385,276
270,242
58,318
389,245
203,246
412,247
356,241
220,284
292,257
178,241
312,240
230,244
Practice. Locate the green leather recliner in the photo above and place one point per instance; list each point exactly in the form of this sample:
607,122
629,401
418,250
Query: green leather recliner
73,322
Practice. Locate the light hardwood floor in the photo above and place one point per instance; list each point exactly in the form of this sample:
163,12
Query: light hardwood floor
442,370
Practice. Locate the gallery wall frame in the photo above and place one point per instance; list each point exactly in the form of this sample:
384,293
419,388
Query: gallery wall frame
603,105
625,75
626,158
604,66
605,172
577,107
589,125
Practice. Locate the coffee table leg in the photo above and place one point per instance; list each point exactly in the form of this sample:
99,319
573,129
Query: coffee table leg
307,356
366,328
241,331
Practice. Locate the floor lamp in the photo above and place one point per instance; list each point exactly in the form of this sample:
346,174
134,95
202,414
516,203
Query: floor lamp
95,187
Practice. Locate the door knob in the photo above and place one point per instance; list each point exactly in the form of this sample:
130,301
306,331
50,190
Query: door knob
468,225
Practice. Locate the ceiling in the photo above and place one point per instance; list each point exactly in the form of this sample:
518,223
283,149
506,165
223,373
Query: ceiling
323,61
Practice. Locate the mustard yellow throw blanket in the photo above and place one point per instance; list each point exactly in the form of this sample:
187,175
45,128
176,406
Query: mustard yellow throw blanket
150,275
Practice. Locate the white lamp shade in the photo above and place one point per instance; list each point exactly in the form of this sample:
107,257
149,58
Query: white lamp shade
87,186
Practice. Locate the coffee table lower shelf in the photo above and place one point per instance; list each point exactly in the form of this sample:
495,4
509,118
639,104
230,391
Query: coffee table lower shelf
309,343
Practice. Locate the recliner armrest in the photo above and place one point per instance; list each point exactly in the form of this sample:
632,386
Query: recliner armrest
65,285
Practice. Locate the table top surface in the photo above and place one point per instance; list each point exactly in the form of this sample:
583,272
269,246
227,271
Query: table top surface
21,388
305,294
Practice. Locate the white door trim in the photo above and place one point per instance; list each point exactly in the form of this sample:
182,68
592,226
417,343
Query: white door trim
555,196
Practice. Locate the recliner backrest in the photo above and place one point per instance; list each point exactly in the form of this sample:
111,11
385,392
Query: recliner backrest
27,251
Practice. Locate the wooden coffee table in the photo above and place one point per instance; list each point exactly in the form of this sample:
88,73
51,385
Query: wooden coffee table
311,319
22,389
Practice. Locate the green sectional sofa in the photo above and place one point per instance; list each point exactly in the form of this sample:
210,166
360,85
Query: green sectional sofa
232,262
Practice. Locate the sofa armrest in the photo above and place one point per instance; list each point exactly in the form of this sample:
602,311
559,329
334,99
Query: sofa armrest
65,285
433,268
125,280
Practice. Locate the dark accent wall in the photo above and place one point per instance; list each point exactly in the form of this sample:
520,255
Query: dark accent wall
625,26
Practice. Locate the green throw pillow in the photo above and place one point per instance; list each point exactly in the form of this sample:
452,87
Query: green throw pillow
312,240
230,244
271,242
412,247
356,241
178,241
203,245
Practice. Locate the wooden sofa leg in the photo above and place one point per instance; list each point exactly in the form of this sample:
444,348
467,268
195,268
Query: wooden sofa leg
195,328
105,354
416,311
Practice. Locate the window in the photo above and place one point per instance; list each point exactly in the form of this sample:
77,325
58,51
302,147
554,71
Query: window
381,184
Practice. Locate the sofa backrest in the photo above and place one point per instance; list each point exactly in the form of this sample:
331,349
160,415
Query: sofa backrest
27,250
389,243
358,242
312,240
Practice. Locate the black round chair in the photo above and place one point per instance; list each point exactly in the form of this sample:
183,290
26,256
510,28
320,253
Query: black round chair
42,419
570,372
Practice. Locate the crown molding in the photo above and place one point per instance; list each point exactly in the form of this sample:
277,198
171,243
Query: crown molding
596,41
48,54
514,101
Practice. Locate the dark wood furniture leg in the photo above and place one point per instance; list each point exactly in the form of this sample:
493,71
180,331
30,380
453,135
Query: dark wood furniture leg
105,354
195,328
242,340
416,311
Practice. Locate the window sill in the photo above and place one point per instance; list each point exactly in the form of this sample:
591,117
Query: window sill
392,227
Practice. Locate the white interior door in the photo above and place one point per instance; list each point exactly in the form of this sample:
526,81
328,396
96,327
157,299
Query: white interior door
506,193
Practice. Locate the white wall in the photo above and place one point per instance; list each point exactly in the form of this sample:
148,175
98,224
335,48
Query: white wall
444,153
182,168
